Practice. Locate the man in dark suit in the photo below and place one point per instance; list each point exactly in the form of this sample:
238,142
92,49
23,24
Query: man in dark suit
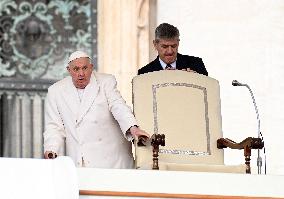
166,43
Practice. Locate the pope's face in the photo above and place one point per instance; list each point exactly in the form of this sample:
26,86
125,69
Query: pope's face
167,49
80,70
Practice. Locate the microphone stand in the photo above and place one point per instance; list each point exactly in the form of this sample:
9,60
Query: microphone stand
259,159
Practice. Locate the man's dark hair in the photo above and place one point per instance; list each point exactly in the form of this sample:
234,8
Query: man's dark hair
166,31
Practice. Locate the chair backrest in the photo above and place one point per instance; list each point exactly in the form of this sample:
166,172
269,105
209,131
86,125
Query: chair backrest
186,108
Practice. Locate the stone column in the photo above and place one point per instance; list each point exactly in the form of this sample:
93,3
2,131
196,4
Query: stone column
146,24
124,39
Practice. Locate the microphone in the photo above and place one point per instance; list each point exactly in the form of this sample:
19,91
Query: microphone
259,134
236,83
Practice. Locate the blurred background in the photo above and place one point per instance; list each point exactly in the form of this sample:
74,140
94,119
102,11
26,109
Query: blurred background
237,39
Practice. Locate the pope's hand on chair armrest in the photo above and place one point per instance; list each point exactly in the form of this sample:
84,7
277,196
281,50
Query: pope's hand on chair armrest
143,141
139,134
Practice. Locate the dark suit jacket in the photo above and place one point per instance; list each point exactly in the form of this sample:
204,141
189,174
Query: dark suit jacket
183,62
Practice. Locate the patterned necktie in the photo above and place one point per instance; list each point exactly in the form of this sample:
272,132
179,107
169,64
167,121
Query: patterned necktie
168,67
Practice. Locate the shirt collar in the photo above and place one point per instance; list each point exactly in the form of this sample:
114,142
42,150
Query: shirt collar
163,64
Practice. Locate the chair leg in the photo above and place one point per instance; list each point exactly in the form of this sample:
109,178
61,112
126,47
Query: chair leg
247,154
156,141
155,158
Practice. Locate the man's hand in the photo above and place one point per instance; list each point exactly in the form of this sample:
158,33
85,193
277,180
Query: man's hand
136,132
189,70
170,68
50,155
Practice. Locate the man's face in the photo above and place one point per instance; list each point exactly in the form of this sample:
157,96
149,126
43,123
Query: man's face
167,49
80,70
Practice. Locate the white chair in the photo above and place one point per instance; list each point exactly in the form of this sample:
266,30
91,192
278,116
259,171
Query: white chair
186,108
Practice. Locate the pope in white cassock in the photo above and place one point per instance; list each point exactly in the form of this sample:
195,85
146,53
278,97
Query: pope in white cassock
86,111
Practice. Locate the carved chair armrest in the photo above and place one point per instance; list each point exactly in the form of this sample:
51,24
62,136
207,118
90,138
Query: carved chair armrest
247,144
253,143
155,139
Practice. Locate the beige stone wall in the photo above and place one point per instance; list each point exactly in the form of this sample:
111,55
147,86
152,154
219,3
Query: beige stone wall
124,39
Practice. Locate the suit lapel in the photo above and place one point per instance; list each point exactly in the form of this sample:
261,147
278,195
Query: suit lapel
71,97
90,93
157,64
179,64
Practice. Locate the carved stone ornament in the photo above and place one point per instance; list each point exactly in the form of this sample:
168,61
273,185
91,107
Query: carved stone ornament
36,37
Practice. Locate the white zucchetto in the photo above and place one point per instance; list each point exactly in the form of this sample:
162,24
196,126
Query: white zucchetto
77,54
